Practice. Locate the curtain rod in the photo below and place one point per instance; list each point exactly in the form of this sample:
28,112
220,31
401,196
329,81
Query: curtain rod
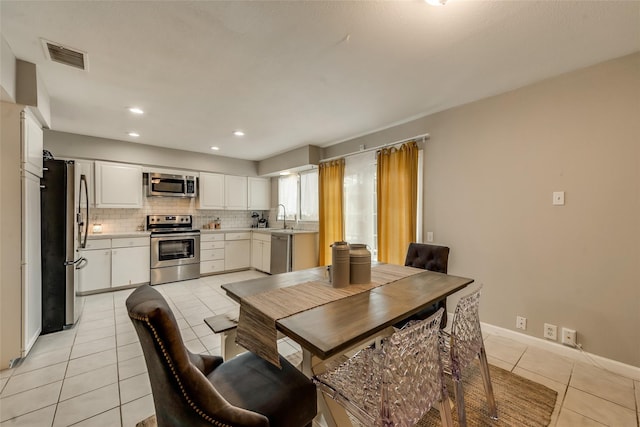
424,137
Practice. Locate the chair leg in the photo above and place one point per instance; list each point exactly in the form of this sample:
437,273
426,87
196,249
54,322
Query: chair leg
445,411
488,388
459,393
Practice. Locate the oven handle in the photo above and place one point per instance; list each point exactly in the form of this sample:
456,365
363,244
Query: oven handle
173,236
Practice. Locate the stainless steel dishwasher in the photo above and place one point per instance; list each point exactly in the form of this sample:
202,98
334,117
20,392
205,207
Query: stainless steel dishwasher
280,252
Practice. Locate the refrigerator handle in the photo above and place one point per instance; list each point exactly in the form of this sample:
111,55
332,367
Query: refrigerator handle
83,239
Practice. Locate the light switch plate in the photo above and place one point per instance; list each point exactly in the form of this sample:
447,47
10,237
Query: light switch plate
429,236
558,198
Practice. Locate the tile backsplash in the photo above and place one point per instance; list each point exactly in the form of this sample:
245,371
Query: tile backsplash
128,220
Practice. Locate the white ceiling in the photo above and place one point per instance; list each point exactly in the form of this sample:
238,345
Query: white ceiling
292,73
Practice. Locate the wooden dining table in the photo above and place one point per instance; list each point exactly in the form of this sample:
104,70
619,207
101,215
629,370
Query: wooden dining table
333,328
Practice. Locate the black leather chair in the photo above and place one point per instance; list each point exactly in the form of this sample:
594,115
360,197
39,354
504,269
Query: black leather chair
200,390
432,258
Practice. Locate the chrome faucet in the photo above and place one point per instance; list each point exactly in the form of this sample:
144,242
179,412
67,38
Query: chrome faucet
285,215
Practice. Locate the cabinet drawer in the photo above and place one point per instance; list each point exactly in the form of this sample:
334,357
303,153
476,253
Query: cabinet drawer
238,236
211,237
212,245
211,254
98,244
207,267
265,237
128,242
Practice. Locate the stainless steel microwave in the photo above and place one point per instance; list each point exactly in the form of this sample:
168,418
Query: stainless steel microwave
161,184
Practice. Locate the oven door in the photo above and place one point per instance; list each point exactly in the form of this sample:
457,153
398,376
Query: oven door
173,249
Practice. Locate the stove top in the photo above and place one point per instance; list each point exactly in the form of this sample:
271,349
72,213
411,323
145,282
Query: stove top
170,223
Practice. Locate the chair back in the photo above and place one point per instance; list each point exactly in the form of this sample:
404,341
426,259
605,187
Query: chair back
427,257
412,372
466,335
182,394
395,384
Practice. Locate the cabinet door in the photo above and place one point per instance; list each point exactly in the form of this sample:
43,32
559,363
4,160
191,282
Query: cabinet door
256,254
96,270
259,193
118,185
237,254
211,191
130,266
266,257
32,139
235,192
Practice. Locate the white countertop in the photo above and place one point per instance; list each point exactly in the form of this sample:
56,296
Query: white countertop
205,231
257,230
119,235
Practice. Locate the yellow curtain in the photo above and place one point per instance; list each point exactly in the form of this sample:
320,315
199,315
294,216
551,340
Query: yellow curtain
397,185
330,189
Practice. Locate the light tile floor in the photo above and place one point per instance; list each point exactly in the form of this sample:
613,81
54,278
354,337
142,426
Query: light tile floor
95,375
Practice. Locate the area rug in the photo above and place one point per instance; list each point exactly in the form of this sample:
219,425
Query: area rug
520,402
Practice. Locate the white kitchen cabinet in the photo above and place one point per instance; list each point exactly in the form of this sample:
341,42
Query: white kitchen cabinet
259,193
95,273
261,251
211,191
235,192
32,141
118,185
31,261
211,253
130,261
237,251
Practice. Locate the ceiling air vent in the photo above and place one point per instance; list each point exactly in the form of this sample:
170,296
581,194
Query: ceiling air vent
65,55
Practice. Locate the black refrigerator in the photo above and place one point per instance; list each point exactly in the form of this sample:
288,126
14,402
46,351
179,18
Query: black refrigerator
60,224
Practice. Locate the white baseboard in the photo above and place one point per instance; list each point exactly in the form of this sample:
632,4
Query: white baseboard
614,366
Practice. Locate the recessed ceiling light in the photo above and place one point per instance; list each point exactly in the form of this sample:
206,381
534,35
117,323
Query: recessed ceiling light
436,2
284,173
215,148
238,133
134,134
136,110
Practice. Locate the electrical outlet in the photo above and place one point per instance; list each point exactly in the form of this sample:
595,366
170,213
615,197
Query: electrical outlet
569,337
550,331
429,236
521,323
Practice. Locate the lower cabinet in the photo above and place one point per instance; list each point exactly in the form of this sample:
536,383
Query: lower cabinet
95,273
114,262
261,252
237,251
130,261
211,253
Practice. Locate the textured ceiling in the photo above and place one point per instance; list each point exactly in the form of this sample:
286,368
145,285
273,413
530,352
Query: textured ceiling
293,73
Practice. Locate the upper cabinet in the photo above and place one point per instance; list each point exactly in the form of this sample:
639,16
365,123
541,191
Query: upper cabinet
211,191
235,192
118,185
259,193
32,139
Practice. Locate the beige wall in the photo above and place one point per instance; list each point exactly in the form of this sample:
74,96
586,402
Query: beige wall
69,145
490,170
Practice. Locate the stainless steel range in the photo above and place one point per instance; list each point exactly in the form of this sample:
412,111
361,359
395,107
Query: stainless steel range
175,248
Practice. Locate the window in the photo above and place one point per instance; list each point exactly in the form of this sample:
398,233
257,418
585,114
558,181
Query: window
309,196
360,200
299,194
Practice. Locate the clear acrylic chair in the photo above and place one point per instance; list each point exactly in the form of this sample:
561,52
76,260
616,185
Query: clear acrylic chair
461,347
395,384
